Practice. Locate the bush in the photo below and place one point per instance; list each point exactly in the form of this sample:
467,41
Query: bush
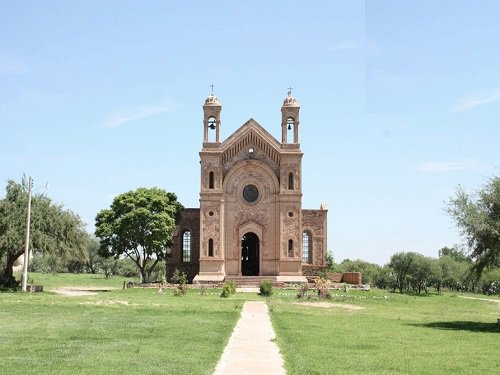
228,289
127,268
490,283
303,291
178,277
266,289
322,288
180,290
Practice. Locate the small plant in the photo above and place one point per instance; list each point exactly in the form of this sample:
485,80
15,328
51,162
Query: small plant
266,289
228,289
203,290
178,277
322,288
180,290
303,291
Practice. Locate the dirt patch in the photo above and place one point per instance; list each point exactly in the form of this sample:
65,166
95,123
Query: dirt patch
110,302
483,299
328,305
75,291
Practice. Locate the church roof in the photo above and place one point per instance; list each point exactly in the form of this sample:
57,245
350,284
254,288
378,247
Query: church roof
251,133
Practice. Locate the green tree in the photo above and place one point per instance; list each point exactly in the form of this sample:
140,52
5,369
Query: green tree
401,264
420,272
454,253
478,218
139,226
53,229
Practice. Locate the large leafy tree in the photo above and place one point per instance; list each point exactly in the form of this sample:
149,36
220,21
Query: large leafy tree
401,264
478,218
53,229
139,226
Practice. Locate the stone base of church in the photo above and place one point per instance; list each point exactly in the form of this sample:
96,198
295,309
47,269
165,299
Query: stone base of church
291,279
208,279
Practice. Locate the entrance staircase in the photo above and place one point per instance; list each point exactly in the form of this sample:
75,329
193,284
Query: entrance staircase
253,281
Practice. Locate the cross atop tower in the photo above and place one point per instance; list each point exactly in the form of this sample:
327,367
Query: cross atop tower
290,91
212,88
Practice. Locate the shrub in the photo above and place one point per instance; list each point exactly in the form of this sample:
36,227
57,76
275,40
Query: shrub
180,290
303,291
228,289
490,282
179,277
203,290
266,289
322,288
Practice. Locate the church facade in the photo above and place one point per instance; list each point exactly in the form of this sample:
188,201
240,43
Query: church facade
250,221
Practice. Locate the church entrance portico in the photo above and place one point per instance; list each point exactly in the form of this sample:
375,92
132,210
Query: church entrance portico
250,254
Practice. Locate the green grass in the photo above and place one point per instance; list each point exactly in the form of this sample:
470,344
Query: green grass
143,331
400,334
121,332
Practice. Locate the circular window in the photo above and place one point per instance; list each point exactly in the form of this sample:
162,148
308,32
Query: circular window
211,213
290,214
250,193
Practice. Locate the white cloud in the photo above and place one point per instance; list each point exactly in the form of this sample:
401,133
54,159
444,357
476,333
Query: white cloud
135,114
471,102
450,166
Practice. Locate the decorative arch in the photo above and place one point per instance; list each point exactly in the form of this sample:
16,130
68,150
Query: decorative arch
250,171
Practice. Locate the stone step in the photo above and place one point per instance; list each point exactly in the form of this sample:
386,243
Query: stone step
253,281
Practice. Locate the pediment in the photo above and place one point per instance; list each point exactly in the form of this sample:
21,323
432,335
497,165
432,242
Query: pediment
251,135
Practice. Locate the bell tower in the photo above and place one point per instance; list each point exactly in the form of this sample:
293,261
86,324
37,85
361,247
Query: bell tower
211,119
290,119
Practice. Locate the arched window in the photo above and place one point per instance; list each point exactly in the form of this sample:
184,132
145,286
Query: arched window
186,246
290,181
306,247
290,248
211,180
210,248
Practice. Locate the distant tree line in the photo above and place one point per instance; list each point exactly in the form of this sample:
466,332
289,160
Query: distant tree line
411,272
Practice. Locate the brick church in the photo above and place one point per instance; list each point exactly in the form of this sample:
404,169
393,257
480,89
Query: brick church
250,221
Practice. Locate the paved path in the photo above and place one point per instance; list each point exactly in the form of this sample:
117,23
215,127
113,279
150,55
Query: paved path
251,348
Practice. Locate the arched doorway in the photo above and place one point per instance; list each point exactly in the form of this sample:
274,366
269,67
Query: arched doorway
250,254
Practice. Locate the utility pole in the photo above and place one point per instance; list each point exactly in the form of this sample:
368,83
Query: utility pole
27,243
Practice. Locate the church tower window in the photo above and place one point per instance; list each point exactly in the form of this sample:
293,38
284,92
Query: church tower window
210,247
290,248
186,246
290,181
211,180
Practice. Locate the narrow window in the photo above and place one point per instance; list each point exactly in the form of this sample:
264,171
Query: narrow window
290,181
290,248
186,246
210,248
211,180
306,247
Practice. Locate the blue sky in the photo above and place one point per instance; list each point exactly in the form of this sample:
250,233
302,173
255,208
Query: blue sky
400,103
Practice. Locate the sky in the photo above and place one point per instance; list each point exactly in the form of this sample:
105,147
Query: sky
400,103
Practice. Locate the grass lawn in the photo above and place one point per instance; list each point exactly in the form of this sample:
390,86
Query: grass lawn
400,334
133,331
142,331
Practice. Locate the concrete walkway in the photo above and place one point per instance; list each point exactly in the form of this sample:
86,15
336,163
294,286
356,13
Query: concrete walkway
251,348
